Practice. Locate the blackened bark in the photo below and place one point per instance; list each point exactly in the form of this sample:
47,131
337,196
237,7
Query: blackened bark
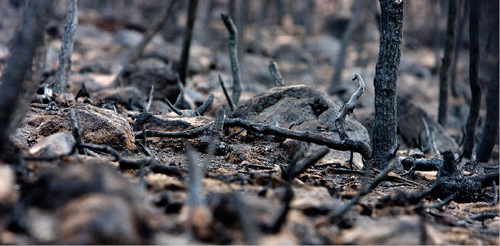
464,4
15,78
184,63
490,131
475,87
64,68
309,17
385,82
448,50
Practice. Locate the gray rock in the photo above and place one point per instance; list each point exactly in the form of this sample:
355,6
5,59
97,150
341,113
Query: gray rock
56,144
302,108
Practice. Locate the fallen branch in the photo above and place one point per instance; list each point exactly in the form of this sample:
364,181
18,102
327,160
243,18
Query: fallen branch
349,108
233,55
299,167
191,133
275,74
317,138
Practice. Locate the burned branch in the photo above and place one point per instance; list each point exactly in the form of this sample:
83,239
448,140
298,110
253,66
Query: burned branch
192,133
275,74
229,100
233,55
365,189
173,108
321,139
205,106
150,98
349,108
153,29
184,61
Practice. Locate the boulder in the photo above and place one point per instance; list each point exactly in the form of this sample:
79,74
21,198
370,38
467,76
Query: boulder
98,126
302,108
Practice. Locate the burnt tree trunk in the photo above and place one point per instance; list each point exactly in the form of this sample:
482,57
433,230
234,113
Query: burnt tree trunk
490,130
385,82
64,68
21,76
448,51
464,5
184,62
475,87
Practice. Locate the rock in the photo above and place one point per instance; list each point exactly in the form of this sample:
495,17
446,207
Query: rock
92,203
142,77
106,219
168,123
98,126
301,108
56,144
323,48
130,97
401,230
412,128
131,38
8,192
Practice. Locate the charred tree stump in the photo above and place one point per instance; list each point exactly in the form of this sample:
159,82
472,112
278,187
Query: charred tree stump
385,82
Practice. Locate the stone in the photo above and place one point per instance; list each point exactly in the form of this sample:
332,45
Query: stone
98,126
92,203
412,129
302,108
8,192
142,77
56,144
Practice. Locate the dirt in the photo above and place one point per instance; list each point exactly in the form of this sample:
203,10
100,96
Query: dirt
89,198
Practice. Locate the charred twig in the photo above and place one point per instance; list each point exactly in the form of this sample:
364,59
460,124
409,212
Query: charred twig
229,100
275,74
184,61
432,164
205,106
495,197
365,189
191,133
179,101
345,170
152,30
196,173
76,130
82,92
173,108
236,133
281,218
295,169
349,108
483,216
150,98
168,170
444,202
233,55
64,68
248,224
321,139
434,145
